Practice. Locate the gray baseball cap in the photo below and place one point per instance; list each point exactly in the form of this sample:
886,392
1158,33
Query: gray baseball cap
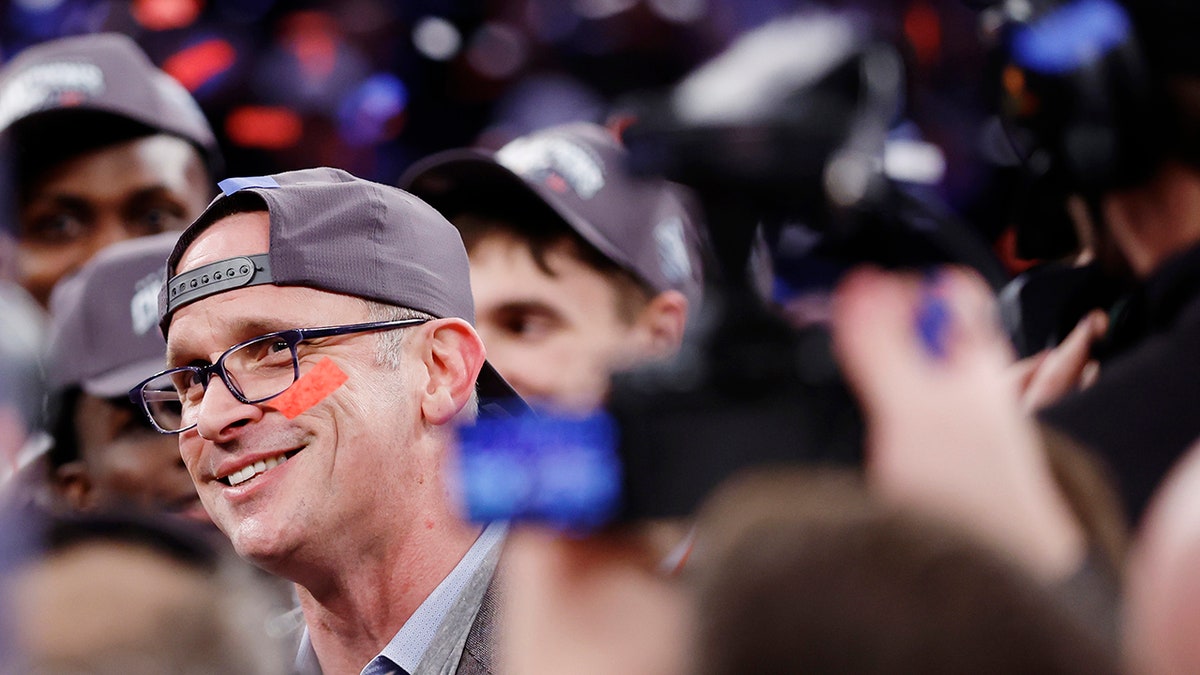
83,80
335,232
103,319
648,226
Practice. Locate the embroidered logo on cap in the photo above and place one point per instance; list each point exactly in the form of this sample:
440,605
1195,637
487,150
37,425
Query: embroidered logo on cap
143,306
556,162
672,250
47,84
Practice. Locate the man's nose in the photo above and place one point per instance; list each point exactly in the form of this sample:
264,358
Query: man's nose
220,414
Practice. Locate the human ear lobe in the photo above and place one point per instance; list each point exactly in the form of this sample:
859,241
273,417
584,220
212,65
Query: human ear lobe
662,322
453,357
74,485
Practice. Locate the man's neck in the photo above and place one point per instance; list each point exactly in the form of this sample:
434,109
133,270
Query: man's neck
1155,221
361,607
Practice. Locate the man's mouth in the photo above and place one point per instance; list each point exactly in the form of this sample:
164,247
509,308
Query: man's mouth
253,470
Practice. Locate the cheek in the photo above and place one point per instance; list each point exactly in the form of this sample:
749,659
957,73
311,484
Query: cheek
39,267
135,465
189,447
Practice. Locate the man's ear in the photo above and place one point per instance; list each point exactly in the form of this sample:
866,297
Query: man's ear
74,485
661,323
453,357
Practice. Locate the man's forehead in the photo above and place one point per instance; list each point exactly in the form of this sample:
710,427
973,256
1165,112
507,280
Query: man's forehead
240,234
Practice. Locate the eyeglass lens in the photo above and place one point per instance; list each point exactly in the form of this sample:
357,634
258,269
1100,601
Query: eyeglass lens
257,370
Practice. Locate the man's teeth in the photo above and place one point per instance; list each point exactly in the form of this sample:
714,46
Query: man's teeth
254,469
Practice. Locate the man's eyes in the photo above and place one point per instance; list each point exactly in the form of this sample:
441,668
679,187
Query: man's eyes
56,228
158,219
529,325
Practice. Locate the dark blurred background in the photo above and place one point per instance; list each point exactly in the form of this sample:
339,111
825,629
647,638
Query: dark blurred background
373,85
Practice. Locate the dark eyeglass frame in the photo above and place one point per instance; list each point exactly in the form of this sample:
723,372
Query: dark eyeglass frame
292,337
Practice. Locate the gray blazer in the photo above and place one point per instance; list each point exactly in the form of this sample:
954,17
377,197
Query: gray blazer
465,644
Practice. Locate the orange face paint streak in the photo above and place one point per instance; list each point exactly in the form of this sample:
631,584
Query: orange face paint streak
310,389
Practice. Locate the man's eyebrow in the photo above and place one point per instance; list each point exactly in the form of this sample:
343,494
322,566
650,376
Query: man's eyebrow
152,193
240,329
523,306
60,200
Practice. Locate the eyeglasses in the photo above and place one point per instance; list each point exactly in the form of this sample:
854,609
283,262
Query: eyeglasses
256,370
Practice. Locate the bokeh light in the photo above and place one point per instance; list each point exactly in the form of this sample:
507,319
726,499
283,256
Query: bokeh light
436,38
166,14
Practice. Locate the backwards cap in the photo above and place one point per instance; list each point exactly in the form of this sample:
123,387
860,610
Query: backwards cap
335,232
104,74
648,226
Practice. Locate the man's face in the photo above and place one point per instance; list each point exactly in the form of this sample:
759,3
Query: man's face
341,472
143,186
555,338
129,464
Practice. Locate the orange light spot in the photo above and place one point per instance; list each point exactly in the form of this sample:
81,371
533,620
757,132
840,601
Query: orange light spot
1014,81
166,14
265,127
201,62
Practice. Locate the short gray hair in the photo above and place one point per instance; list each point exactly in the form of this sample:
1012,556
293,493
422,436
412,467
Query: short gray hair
390,343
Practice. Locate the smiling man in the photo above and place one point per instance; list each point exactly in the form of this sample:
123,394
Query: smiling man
320,347
104,146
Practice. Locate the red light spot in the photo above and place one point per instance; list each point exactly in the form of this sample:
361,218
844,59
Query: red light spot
264,127
166,14
201,62
1006,249
70,99
556,183
923,28
313,39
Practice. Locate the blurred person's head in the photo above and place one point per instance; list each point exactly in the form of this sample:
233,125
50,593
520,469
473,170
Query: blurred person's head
104,147
1116,119
578,268
104,339
123,595
803,572
1162,603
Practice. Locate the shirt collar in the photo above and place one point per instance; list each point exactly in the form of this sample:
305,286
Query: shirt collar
412,640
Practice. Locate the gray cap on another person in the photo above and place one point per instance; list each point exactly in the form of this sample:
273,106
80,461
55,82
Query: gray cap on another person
648,226
104,319
335,232
105,74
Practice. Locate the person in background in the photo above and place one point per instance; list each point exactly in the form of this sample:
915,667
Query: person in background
578,268
103,146
104,339
118,594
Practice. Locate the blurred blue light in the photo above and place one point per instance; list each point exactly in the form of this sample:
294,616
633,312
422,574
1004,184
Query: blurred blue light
562,472
1070,36
369,114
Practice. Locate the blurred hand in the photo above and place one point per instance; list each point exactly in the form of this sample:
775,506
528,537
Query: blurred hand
946,430
1051,374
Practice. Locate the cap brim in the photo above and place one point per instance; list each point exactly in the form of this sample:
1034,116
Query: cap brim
117,382
497,398
455,181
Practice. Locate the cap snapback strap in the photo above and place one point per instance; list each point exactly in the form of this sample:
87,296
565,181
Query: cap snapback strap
223,275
